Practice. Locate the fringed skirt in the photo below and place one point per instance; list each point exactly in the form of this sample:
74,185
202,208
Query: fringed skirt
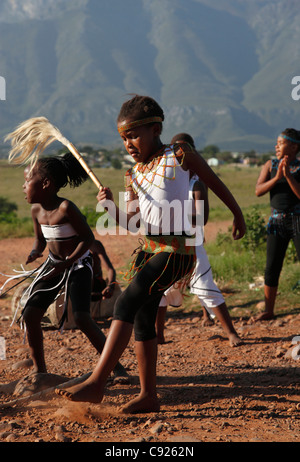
169,244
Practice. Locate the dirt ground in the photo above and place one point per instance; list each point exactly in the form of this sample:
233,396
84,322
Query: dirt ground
209,391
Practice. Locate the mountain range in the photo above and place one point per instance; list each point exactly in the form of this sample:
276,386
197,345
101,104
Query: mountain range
222,70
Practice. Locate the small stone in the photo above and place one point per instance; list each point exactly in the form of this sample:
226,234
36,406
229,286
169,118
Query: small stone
157,428
25,363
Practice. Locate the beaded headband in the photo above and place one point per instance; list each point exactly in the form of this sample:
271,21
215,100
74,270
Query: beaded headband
289,138
137,123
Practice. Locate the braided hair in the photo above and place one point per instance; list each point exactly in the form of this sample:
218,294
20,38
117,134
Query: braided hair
63,170
139,108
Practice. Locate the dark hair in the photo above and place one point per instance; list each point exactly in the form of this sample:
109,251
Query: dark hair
63,170
183,137
140,107
292,133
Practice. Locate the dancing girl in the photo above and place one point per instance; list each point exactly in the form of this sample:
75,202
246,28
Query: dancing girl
161,174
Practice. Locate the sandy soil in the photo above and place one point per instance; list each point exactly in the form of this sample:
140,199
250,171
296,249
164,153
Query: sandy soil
209,391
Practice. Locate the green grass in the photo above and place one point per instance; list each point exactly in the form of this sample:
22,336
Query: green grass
240,180
12,180
234,267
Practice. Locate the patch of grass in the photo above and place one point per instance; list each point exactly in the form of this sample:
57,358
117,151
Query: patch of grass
12,180
241,182
235,266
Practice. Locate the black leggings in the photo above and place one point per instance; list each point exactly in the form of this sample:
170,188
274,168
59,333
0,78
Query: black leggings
276,250
139,302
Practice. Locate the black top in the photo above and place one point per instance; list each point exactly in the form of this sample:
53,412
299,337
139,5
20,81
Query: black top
282,197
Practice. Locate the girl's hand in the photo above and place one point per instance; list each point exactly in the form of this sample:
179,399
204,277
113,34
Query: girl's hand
34,254
238,228
286,166
280,170
104,194
108,291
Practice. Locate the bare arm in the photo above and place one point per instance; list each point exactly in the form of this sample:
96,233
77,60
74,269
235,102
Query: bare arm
123,218
194,161
98,249
200,194
294,185
84,232
40,243
265,183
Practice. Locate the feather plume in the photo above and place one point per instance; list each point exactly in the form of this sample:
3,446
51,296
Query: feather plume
31,138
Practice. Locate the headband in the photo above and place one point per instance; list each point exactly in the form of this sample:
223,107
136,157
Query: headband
137,123
290,139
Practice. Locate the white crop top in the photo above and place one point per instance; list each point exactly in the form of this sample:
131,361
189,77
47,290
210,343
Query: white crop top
61,232
163,193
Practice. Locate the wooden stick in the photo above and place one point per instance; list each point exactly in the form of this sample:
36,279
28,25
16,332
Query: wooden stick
84,165
32,136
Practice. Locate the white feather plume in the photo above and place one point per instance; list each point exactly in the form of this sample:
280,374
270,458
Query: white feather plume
31,138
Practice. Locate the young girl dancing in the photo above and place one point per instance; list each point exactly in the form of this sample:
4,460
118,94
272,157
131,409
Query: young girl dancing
58,223
161,175
281,178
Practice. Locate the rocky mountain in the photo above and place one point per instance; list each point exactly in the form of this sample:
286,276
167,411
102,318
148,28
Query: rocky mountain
221,69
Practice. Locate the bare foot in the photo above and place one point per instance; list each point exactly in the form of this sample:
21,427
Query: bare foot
207,322
264,316
235,340
142,404
120,379
86,391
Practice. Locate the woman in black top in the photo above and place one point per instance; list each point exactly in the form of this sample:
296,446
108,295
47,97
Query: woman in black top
280,177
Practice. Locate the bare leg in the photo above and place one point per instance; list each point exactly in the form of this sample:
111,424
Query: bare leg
147,400
32,317
207,320
92,389
160,324
270,297
223,316
95,335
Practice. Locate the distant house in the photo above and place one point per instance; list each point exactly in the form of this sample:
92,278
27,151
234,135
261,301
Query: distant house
250,161
213,162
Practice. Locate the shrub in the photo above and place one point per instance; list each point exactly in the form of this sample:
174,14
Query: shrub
7,211
255,234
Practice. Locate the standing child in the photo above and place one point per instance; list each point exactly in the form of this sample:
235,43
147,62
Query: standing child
281,178
201,283
58,223
161,175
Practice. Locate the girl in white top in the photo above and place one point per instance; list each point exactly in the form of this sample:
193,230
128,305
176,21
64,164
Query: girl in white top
59,225
166,256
